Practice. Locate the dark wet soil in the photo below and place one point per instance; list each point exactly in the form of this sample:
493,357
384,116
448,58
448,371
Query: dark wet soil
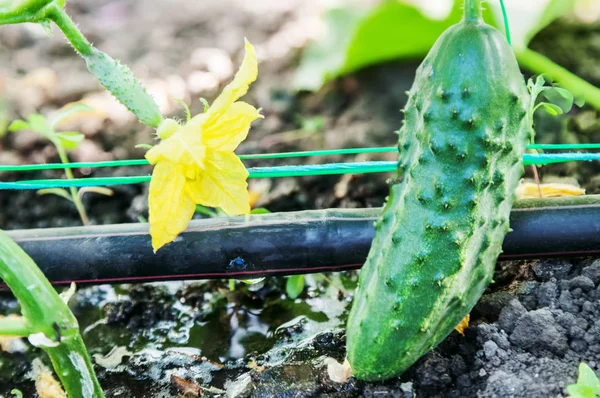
527,334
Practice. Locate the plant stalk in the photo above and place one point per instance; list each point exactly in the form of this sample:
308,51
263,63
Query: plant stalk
45,312
473,11
70,30
62,154
16,327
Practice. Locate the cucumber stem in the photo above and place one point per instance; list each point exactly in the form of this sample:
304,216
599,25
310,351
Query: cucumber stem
473,11
44,311
17,327
70,30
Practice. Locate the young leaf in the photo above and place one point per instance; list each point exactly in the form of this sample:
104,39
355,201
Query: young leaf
55,191
19,125
588,377
144,146
552,109
70,139
68,110
294,286
579,101
39,124
559,97
16,393
99,190
588,385
259,210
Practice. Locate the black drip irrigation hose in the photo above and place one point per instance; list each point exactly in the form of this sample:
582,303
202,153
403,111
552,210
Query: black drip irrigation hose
303,242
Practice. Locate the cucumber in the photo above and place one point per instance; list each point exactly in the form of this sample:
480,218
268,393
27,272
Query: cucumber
466,127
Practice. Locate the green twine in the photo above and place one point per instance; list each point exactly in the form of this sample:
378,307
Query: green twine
506,26
283,171
259,156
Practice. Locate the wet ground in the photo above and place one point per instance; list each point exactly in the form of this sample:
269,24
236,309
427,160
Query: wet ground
527,336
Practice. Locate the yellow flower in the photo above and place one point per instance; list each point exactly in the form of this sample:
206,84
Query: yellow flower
195,163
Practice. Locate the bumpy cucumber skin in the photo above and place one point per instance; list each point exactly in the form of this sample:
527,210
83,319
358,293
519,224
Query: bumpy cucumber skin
466,127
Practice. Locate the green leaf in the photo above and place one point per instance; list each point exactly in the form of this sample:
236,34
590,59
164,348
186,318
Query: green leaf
358,37
588,377
70,139
16,393
294,286
200,209
588,385
144,146
579,391
55,191
67,111
322,60
395,30
579,101
552,109
260,210
19,125
39,124
559,97
540,81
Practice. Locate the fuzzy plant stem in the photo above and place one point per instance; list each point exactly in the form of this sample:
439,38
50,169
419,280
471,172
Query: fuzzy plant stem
473,11
70,30
44,312
111,74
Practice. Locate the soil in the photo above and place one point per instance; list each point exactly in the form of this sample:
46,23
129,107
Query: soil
527,334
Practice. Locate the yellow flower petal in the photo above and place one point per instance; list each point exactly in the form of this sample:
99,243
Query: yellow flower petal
196,163
460,328
171,207
222,184
247,74
529,190
226,133
185,147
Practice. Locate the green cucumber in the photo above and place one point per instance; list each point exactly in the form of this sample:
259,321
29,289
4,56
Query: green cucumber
466,126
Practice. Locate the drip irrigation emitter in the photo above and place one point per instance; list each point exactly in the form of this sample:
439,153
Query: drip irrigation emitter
302,242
